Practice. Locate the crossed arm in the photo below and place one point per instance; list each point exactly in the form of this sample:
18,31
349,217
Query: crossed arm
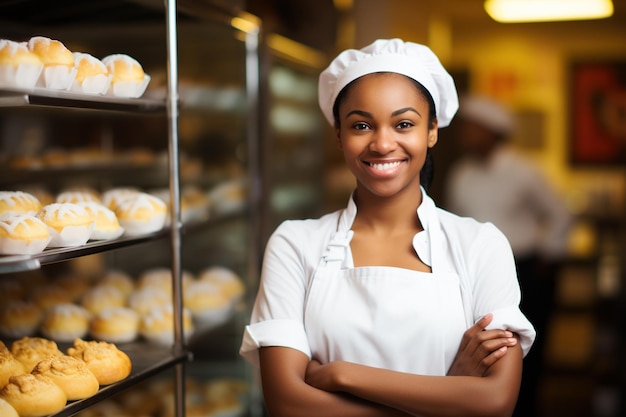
483,381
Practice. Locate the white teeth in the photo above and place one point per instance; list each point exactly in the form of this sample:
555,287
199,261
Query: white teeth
385,166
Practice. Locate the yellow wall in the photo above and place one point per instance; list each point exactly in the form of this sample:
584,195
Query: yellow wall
525,65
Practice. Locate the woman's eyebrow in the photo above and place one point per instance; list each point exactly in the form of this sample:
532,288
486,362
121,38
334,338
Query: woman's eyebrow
360,113
404,110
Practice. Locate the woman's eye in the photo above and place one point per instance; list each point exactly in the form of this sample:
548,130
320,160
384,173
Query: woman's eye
360,126
404,125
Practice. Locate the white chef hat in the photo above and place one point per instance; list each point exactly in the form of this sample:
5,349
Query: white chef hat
487,112
390,55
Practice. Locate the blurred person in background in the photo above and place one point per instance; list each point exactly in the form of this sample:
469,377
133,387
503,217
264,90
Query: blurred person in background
495,183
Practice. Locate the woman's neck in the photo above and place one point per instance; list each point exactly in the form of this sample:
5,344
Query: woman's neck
387,215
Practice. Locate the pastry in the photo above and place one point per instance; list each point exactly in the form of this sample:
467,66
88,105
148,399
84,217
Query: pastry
157,325
9,366
58,62
6,409
19,67
69,224
31,350
33,395
118,279
92,76
111,198
65,322
108,363
207,303
102,297
18,202
23,234
229,282
19,319
141,213
71,374
77,196
115,325
145,299
107,226
161,277
128,78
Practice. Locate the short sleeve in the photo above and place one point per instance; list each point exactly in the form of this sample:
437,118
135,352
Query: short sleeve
277,315
495,286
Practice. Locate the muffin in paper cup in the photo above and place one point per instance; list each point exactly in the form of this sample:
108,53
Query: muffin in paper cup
69,224
58,71
19,67
128,78
92,76
23,234
107,226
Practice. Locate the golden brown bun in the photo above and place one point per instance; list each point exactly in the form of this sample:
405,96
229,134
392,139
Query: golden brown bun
120,280
19,319
115,325
229,282
33,395
31,350
158,324
71,374
102,297
123,68
18,202
88,66
105,360
15,53
7,410
65,322
51,51
9,366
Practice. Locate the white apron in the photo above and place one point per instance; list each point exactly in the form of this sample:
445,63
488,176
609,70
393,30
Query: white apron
385,317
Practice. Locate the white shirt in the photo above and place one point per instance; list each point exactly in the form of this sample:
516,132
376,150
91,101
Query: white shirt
510,192
478,255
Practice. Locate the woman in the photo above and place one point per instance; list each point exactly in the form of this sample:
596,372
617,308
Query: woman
370,310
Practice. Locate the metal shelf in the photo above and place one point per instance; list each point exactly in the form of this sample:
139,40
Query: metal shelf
17,263
148,360
14,97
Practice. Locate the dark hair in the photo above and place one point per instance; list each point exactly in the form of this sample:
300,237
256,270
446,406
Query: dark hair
428,170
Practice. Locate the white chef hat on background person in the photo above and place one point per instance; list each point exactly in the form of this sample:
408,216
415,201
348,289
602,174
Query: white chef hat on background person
413,60
487,112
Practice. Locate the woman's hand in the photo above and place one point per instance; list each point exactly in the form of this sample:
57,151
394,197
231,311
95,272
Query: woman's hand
480,349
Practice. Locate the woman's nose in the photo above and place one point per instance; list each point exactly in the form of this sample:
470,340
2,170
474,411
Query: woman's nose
382,142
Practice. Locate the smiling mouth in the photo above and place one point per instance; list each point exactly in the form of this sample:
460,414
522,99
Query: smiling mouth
384,166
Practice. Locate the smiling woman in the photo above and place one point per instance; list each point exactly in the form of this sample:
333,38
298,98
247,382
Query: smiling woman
392,306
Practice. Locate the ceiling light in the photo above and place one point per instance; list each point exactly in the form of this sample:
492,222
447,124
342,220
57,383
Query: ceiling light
511,11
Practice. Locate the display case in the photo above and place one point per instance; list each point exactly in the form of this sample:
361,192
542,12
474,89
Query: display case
190,140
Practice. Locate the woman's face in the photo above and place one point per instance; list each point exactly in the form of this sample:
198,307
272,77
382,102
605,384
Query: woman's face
384,133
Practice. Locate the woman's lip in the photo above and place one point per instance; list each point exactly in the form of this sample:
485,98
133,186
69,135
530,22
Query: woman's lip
383,167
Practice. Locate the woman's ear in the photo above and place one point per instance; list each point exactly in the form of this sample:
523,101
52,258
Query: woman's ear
433,135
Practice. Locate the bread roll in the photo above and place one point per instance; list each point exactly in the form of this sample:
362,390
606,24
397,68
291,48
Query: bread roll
77,197
65,322
19,67
123,68
118,279
71,374
58,72
207,303
226,279
145,299
115,325
18,202
9,366
23,234
105,360
31,350
107,226
19,319
92,76
102,297
33,395
141,213
157,325
69,224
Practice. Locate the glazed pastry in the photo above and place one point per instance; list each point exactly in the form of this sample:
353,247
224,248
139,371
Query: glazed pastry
69,224
18,202
77,196
145,299
107,226
141,213
102,297
128,78
23,234
19,67
105,360
58,62
207,303
33,395
228,281
118,279
71,374
92,76
32,350
65,322
157,325
115,325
